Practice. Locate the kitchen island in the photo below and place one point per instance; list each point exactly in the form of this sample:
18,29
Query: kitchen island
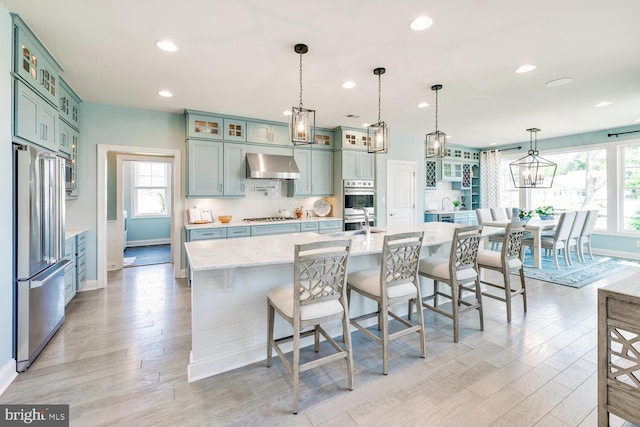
231,279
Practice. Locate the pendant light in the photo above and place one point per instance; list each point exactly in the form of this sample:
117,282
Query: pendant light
532,171
303,120
378,133
436,142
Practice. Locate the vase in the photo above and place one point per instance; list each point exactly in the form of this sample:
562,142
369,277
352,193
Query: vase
547,217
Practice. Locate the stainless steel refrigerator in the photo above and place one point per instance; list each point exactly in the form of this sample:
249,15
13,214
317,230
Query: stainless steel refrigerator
39,202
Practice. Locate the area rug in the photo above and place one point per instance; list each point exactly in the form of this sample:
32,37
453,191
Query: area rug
579,274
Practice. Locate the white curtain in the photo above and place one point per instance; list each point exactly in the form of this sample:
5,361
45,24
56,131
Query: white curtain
490,182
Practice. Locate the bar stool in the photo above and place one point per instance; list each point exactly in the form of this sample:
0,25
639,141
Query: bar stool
460,272
505,262
395,281
317,296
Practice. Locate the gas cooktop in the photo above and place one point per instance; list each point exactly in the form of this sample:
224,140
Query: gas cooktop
270,219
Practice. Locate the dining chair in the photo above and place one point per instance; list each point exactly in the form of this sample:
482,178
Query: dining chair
484,215
559,240
574,234
499,214
459,272
506,262
395,281
317,296
587,230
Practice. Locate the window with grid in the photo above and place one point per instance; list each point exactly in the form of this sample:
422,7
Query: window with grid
151,189
630,197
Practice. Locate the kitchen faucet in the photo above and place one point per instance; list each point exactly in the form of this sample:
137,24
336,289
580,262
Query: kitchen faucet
442,204
365,225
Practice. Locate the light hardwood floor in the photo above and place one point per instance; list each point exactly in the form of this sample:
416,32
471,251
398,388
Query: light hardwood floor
120,360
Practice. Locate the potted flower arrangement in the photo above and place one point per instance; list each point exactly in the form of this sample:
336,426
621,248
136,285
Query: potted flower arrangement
525,215
545,212
456,205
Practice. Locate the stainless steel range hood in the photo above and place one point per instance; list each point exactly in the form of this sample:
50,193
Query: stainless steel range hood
271,166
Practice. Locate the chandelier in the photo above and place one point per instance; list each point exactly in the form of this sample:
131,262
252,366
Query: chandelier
378,133
436,142
303,120
532,171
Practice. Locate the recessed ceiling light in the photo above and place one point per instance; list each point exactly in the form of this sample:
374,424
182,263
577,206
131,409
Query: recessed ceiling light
602,104
493,143
560,82
286,113
423,105
421,23
525,68
349,84
364,125
167,45
449,136
165,94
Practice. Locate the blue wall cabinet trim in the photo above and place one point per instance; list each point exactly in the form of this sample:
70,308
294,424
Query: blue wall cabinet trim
205,169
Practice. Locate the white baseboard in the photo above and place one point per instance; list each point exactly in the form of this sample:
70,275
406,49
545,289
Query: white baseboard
7,375
150,242
617,254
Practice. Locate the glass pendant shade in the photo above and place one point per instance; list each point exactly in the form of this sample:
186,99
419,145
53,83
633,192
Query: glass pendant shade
378,134
302,125
532,171
435,144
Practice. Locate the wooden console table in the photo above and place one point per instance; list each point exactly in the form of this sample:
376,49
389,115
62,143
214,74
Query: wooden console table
619,351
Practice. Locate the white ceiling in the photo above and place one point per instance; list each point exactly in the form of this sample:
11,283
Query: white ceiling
236,57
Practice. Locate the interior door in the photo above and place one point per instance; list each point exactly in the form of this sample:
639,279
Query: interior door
401,192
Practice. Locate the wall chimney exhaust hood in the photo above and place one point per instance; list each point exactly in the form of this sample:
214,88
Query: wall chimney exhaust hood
271,166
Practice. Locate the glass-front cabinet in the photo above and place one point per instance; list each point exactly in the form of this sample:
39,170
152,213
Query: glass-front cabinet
203,126
451,171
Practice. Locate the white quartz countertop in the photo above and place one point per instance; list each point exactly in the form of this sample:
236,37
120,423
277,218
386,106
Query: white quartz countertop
447,212
70,232
278,249
241,223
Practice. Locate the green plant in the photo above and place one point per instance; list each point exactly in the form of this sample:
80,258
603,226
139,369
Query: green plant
456,203
544,210
525,213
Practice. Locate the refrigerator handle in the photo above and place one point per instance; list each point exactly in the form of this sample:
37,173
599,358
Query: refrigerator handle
45,194
60,203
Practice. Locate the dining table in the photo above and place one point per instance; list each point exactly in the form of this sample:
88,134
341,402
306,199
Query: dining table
536,227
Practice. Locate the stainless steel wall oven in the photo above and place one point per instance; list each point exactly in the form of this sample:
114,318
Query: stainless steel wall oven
359,196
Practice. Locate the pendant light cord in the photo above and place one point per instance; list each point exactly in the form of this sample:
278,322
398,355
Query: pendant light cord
379,96
436,111
300,81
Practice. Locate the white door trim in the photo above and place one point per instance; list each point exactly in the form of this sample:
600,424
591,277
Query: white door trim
177,208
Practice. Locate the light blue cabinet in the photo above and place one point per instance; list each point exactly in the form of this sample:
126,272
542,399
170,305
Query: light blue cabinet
309,226
204,126
207,234
69,108
302,185
235,130
265,230
81,259
357,164
324,139
268,133
35,119
64,141
205,169
70,269
322,173
241,231
235,169
329,226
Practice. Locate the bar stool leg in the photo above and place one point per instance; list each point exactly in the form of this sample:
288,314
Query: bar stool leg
296,365
270,320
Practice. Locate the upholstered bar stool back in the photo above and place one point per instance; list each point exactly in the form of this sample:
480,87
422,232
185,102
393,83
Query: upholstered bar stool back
459,272
317,295
505,262
395,281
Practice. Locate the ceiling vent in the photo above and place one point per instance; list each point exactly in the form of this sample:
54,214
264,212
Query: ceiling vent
352,116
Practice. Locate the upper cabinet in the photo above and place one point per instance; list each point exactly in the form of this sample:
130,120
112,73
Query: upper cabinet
357,165
353,139
324,139
431,174
268,133
205,171
316,173
204,126
35,119
235,130
69,107
33,63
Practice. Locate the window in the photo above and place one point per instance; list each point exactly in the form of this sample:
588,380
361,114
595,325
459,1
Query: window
580,183
630,197
151,190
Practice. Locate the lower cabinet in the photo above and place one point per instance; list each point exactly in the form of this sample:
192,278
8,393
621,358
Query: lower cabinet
329,226
323,227
264,230
81,259
70,269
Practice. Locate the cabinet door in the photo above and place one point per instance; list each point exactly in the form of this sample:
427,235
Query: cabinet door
49,127
265,230
367,165
324,139
466,177
322,173
451,171
27,113
280,135
203,126
258,132
235,130
64,140
431,174
349,164
302,186
205,175
235,169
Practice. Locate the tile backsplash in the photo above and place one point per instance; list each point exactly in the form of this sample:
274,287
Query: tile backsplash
263,198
